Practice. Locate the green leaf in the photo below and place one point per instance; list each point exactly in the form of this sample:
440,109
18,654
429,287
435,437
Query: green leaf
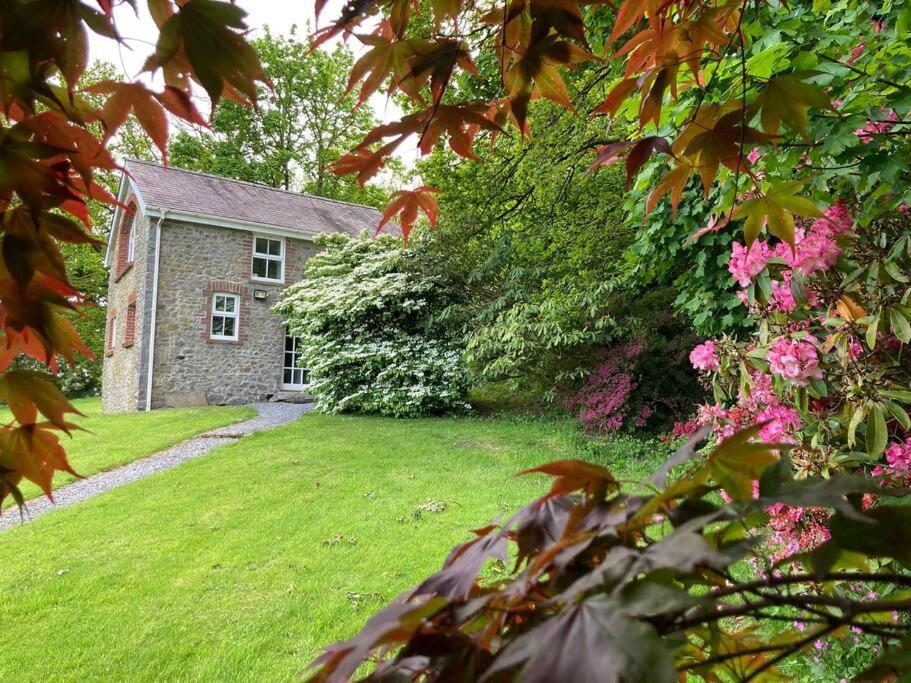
786,98
899,414
877,435
894,271
736,463
775,210
896,395
900,326
856,418
872,330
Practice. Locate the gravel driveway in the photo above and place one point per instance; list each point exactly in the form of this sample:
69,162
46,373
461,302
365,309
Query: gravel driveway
269,416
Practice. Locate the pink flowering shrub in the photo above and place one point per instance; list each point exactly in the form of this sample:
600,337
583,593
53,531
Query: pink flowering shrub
601,403
628,386
824,371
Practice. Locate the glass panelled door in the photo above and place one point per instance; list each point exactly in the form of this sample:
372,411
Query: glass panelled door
294,377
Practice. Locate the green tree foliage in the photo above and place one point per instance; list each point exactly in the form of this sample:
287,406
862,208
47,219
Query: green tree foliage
540,246
304,122
372,337
85,261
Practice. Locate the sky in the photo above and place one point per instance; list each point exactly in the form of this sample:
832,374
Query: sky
139,33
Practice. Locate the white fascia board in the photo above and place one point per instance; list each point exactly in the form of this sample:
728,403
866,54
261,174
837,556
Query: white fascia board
121,195
126,183
230,223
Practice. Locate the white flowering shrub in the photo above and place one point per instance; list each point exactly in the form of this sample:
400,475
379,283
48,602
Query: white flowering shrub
371,332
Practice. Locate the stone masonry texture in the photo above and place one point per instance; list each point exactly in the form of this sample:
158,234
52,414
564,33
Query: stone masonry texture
196,262
120,373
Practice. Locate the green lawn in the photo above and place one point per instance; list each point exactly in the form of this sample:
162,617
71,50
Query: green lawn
113,440
240,565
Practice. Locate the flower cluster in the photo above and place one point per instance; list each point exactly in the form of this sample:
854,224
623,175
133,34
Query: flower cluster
704,357
796,529
824,370
795,360
898,462
815,250
371,334
747,263
755,404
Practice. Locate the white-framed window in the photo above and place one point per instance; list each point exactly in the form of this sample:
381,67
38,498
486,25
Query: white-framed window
225,317
268,259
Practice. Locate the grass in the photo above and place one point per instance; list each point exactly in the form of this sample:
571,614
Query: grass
114,440
241,565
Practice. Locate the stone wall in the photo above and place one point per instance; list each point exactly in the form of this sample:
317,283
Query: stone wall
121,368
195,262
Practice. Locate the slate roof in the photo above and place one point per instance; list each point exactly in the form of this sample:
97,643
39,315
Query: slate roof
178,189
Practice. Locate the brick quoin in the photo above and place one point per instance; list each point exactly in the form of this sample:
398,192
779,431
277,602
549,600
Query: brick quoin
247,245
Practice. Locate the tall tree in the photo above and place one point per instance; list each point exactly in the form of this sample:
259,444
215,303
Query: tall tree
304,123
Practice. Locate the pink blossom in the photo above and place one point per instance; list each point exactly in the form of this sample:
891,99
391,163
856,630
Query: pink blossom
754,155
641,419
745,264
705,357
816,252
854,349
794,360
760,393
856,52
602,400
782,297
898,455
725,421
836,220
782,423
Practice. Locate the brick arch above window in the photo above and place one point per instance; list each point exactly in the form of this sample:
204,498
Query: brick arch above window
126,239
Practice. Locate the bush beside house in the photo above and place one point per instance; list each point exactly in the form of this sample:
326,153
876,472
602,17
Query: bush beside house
371,332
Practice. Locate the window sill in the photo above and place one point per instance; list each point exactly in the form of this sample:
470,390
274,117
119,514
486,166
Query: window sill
266,281
109,353
128,344
126,269
213,340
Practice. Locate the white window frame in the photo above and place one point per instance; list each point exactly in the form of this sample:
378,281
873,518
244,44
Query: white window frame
235,315
280,259
131,238
112,333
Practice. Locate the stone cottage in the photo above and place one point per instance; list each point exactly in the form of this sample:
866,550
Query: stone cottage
196,262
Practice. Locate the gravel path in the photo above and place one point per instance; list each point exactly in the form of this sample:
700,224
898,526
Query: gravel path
270,415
